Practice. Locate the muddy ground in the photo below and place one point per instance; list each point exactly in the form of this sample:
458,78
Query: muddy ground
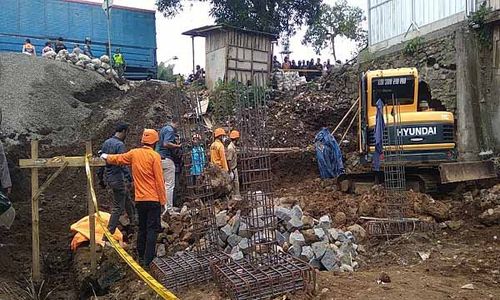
469,254
65,201
466,255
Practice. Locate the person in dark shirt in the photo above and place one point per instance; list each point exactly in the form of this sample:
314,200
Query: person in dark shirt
310,64
294,65
118,178
168,148
276,63
87,49
318,66
59,45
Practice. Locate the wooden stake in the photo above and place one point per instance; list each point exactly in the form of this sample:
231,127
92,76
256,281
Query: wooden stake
35,218
93,256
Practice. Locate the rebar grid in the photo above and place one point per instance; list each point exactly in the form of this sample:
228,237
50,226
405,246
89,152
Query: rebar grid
393,228
265,272
185,269
245,280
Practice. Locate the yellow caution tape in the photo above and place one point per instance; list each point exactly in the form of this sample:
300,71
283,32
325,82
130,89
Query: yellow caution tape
153,284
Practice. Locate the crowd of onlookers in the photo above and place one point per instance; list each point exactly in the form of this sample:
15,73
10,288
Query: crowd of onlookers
58,45
303,64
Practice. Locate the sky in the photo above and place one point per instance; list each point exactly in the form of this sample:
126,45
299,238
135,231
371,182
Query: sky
171,43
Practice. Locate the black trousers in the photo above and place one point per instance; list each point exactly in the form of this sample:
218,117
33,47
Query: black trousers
149,227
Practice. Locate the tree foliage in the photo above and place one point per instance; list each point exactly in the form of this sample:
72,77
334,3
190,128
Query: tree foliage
166,72
275,16
333,21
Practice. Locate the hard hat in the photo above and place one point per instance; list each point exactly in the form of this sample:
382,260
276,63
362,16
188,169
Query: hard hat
149,137
234,134
219,131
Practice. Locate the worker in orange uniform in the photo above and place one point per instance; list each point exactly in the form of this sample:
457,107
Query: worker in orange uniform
149,191
232,161
217,151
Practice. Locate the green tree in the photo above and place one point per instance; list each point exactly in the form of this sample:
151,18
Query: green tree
333,21
166,72
275,16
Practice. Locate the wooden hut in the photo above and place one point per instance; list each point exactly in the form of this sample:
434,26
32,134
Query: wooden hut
235,54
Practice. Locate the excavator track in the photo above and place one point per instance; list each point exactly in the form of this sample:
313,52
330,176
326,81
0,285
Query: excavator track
419,180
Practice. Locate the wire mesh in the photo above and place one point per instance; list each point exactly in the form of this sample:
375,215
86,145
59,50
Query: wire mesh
244,280
185,269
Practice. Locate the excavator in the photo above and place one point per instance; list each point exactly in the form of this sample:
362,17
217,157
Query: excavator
425,135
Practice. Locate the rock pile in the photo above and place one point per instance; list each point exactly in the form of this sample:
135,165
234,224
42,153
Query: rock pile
288,81
314,241
489,201
101,65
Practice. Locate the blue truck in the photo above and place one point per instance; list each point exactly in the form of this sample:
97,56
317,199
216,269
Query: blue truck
132,30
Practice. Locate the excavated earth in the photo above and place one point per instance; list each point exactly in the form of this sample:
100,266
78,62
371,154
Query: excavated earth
89,107
465,253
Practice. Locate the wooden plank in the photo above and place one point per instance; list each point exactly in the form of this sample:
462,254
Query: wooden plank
93,253
58,161
46,184
35,218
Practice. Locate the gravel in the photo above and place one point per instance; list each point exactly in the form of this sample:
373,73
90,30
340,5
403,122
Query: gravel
39,98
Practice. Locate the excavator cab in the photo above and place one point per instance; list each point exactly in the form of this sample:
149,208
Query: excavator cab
427,136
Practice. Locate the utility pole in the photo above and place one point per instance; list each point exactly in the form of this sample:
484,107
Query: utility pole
106,6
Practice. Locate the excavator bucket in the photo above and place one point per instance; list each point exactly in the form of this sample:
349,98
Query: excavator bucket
466,171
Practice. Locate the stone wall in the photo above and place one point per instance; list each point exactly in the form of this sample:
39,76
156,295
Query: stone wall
434,58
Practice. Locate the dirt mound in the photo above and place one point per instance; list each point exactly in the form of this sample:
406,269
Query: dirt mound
39,98
319,197
146,104
296,116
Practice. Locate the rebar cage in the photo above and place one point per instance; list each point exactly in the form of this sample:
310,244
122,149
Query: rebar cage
187,269
265,272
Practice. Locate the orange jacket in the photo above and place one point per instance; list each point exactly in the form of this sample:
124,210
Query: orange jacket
218,155
146,171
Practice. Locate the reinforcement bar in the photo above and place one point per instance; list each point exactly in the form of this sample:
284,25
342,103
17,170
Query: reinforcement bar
150,281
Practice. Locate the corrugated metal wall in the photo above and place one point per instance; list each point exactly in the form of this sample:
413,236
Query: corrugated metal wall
391,18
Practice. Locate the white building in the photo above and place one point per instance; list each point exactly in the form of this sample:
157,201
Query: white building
393,21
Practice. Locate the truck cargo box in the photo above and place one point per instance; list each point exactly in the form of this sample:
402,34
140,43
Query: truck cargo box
133,30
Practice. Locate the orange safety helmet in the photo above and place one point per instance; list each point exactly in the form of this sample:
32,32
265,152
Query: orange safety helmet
234,134
149,137
218,132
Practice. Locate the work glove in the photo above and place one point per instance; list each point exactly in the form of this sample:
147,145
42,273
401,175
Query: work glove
104,156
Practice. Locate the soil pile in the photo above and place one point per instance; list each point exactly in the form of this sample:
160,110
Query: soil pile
146,104
296,116
42,99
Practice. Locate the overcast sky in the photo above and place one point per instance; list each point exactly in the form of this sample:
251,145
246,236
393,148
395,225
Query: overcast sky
171,42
